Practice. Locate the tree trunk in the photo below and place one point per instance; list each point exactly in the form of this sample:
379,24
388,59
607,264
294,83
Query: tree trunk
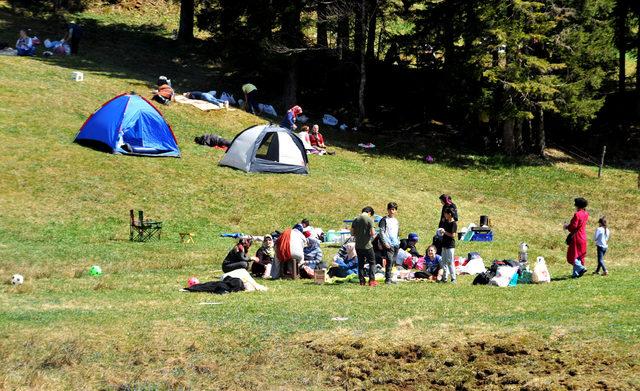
185,32
343,35
508,144
517,136
638,61
321,24
540,143
290,24
621,38
358,31
371,33
363,67
290,93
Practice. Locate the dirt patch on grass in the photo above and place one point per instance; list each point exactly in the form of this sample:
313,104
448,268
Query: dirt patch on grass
486,362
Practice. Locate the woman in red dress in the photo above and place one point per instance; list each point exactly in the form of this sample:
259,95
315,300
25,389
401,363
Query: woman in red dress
577,250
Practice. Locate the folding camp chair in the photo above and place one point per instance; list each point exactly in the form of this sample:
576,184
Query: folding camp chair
142,230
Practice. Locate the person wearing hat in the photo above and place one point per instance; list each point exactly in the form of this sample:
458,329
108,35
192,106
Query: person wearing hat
237,257
577,239
409,244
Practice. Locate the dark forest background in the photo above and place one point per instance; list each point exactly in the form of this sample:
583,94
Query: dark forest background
505,76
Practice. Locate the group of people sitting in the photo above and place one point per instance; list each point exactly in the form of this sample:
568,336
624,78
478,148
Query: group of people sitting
68,44
300,244
366,252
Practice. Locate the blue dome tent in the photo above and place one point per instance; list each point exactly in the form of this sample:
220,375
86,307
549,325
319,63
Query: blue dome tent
129,125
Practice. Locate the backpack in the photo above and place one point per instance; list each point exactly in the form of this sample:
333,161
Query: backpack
483,278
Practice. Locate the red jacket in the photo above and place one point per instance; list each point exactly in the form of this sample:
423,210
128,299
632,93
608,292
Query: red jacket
578,227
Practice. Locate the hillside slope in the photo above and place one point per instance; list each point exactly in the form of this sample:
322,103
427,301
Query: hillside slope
64,207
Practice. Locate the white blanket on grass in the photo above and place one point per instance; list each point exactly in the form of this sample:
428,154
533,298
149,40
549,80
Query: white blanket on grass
201,104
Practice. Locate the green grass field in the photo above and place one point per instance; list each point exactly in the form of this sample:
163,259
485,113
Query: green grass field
64,207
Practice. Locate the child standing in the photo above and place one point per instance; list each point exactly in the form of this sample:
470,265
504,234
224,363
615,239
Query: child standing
448,230
389,228
601,238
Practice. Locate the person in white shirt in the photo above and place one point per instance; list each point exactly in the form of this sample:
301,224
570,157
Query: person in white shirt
24,45
601,238
389,229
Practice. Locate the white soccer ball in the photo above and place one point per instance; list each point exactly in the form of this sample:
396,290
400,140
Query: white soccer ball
17,279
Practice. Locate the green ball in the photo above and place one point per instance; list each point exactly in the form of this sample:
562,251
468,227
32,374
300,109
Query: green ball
95,270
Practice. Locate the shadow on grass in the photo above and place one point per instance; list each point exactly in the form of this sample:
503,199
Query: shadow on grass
138,52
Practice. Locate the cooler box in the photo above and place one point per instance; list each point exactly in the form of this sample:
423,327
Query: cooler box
482,237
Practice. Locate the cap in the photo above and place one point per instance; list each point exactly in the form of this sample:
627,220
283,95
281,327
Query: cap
413,236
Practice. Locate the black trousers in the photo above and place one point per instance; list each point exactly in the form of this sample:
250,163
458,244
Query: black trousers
369,257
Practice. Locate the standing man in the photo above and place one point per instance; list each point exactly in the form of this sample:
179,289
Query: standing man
389,229
72,36
362,230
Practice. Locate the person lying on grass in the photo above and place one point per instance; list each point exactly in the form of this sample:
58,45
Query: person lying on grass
237,257
207,97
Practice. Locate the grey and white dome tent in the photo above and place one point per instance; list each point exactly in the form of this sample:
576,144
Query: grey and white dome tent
267,148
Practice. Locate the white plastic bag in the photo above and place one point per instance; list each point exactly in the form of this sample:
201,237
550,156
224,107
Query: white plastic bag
474,266
540,272
503,276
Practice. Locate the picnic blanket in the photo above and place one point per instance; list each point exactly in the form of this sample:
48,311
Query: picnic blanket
200,104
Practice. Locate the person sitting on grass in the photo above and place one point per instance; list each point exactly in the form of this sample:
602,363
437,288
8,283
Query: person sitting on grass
265,254
317,141
24,45
345,261
312,256
237,257
409,244
303,135
289,121
206,96
432,264
164,94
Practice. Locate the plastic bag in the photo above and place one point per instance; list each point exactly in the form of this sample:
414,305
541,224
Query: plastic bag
268,109
540,272
503,276
330,120
229,98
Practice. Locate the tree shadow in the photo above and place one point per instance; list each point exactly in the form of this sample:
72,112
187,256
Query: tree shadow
118,50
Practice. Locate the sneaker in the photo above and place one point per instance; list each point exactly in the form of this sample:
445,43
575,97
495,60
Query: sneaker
390,282
453,282
581,272
605,273
373,283
362,283
595,272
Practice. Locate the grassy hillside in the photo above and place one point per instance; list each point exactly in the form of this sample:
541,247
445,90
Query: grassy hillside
64,207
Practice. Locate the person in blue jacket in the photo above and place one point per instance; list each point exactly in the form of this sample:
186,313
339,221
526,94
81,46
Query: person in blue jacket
289,121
